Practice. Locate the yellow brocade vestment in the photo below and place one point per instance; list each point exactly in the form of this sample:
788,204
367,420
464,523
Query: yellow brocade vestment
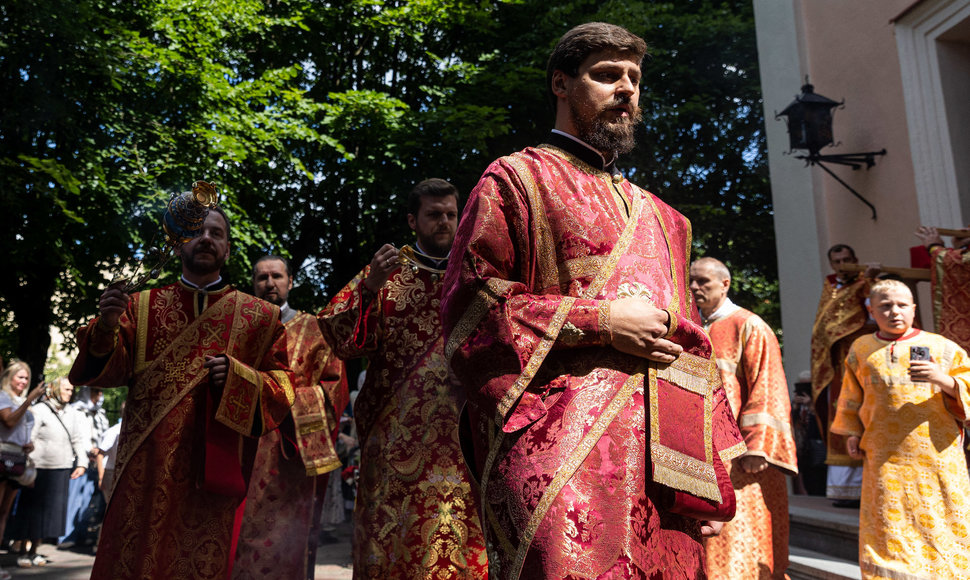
915,512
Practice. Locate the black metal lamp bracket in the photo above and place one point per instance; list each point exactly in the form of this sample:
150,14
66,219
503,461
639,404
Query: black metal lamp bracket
853,160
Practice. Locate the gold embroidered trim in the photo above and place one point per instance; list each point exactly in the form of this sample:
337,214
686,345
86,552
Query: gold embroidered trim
685,380
484,299
319,466
683,472
690,372
245,373
606,333
499,531
736,450
675,303
545,249
572,463
284,382
752,419
535,361
586,267
674,322
141,333
939,256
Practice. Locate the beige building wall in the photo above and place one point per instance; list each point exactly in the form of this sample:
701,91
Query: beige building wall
853,51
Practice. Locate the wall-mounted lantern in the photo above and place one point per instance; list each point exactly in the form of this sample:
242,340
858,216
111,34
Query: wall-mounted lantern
809,119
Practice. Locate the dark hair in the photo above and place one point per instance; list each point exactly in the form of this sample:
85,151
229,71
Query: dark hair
583,40
433,187
840,248
218,209
268,257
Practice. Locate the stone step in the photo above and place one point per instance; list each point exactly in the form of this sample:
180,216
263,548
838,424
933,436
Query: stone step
818,526
808,565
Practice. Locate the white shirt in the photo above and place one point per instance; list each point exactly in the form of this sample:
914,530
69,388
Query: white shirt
109,445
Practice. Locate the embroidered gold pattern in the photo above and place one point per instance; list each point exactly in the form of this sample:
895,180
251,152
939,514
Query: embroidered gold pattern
571,335
572,463
634,290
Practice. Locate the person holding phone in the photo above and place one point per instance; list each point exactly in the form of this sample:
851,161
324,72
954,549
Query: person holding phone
904,398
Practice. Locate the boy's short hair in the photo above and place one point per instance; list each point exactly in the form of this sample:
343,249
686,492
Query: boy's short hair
883,287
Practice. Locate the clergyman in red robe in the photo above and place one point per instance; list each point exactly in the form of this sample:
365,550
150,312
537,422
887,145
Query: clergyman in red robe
207,372
284,501
599,425
416,515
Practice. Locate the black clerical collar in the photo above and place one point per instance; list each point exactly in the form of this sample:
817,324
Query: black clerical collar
579,149
431,261
218,284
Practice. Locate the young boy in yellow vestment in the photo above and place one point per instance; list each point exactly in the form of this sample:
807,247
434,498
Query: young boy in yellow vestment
903,417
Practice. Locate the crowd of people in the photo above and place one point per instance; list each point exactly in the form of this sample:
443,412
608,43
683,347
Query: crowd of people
52,457
553,390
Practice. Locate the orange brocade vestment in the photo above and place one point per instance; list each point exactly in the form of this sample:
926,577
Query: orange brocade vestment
185,450
415,514
840,319
581,449
278,536
755,543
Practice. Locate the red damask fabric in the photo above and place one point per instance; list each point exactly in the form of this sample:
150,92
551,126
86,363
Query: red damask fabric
415,515
279,533
950,279
755,543
571,436
162,521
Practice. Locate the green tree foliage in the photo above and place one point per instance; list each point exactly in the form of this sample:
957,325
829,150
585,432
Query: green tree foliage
315,119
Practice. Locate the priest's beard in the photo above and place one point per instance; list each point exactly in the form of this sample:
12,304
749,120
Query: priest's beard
603,135
196,267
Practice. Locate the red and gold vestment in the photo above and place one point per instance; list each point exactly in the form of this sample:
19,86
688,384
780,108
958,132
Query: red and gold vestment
185,450
580,448
755,543
415,515
279,533
840,319
950,279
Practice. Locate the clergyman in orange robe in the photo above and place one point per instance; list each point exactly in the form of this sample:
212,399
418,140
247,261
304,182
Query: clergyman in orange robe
755,543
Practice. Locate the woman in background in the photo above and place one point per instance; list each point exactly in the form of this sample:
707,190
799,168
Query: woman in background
85,505
16,422
61,437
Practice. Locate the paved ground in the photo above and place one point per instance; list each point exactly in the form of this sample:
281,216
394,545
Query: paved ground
333,562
